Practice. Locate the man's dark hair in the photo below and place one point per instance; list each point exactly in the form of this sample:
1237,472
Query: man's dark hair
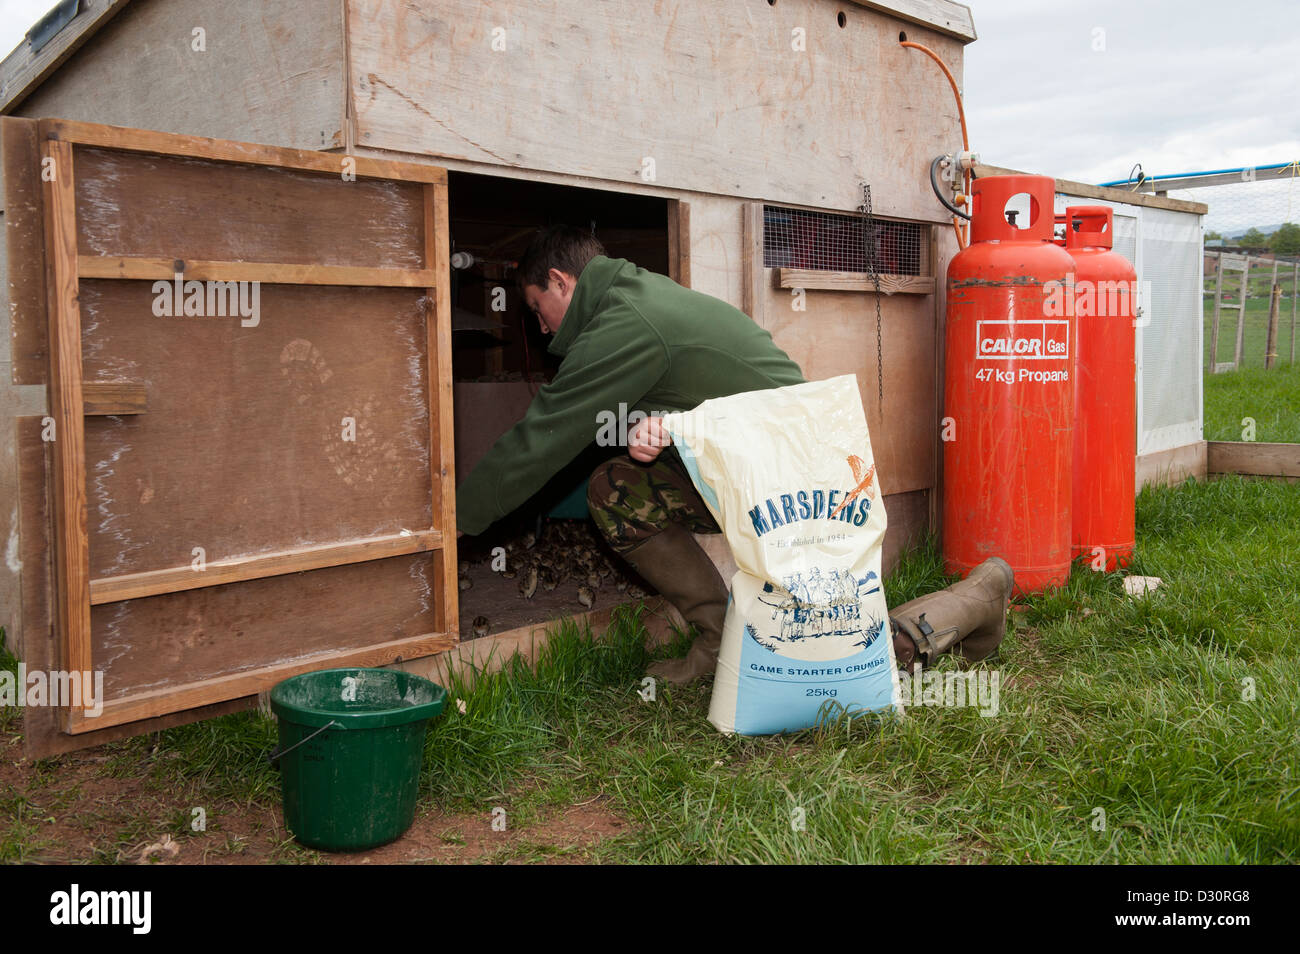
556,246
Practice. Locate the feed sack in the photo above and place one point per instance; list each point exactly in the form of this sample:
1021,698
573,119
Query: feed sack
789,475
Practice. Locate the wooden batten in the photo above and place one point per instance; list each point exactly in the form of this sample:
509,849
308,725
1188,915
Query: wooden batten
442,440
113,397
72,554
815,279
679,242
753,283
174,144
132,586
25,250
146,705
1253,459
152,269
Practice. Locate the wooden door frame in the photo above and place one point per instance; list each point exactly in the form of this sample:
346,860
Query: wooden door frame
75,591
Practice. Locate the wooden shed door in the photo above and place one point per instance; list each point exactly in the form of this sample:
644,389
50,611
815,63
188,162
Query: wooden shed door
251,400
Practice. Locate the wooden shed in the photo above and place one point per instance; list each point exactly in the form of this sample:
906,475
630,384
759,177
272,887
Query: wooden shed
409,150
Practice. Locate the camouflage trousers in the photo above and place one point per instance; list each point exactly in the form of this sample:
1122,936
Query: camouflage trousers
630,502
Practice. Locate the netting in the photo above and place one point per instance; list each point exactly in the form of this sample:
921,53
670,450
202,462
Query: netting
1264,203
1242,221
829,241
1169,385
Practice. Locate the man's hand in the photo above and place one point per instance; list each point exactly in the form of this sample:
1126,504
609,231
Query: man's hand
647,439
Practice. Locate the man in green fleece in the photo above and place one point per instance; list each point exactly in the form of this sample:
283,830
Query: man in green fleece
632,337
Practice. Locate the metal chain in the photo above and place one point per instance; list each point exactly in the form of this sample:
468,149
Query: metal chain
870,245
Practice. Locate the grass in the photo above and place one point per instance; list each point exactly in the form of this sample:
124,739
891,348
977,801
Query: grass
1270,399
1132,707
1173,720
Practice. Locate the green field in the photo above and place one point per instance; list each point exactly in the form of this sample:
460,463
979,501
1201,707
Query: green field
1151,731
1270,398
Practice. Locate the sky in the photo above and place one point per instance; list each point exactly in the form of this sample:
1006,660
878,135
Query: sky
1084,89
19,16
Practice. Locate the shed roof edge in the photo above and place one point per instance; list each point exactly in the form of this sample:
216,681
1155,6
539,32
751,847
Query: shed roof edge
22,71
946,16
1105,193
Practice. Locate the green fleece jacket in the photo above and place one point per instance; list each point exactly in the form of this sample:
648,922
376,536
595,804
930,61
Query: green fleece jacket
629,337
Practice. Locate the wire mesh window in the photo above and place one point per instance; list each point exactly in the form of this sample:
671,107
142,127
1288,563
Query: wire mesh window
828,241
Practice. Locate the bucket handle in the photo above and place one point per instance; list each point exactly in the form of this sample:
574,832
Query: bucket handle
274,756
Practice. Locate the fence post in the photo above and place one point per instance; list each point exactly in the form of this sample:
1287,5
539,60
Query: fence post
1270,346
1241,316
1295,293
1214,325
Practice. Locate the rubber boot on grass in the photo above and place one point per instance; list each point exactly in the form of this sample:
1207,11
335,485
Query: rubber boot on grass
675,565
972,614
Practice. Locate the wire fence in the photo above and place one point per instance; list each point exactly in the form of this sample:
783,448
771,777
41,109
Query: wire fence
1252,303
1252,268
1263,201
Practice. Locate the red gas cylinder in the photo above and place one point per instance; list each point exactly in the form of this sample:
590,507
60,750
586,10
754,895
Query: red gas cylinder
1105,389
1009,391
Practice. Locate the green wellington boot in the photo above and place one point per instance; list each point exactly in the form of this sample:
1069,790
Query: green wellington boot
682,572
971,613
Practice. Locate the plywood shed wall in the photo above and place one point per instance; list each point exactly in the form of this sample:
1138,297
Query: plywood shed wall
730,112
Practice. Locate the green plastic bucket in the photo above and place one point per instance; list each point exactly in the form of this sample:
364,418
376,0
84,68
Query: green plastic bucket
351,745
